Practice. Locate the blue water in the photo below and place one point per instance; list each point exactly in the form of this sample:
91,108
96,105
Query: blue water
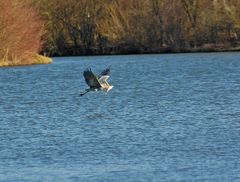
173,117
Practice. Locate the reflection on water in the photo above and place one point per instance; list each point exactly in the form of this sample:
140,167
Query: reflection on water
168,117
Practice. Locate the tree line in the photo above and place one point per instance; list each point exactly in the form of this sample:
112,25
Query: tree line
76,27
86,27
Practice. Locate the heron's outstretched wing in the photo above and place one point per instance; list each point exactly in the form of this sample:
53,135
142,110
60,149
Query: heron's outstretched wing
105,72
91,79
103,79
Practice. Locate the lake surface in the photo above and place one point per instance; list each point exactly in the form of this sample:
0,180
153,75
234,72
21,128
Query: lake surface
173,117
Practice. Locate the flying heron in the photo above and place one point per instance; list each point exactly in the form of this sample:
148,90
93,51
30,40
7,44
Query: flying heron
97,83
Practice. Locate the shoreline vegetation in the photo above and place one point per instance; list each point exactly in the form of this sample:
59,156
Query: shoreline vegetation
203,49
115,27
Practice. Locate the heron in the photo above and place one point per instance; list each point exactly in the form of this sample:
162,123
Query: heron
95,82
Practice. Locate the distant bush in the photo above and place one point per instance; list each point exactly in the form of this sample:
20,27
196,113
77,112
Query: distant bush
21,30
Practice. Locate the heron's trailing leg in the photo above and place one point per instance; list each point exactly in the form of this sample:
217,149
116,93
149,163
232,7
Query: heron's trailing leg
86,91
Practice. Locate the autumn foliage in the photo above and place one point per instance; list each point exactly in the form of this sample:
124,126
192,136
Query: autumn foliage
21,31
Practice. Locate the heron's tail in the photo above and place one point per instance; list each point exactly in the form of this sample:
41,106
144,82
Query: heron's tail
83,93
109,88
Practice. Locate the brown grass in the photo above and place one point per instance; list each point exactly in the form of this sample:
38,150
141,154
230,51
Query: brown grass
36,59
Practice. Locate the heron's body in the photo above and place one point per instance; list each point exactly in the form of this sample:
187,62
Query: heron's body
104,84
97,83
